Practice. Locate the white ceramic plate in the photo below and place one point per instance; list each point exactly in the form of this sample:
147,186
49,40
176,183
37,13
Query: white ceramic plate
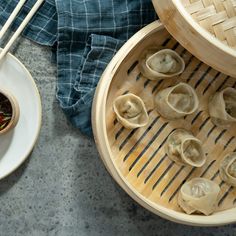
16,145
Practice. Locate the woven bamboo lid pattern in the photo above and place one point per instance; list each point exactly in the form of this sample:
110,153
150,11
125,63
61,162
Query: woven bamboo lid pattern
206,28
217,17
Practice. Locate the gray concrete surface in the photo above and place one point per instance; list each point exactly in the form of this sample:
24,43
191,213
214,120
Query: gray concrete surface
63,188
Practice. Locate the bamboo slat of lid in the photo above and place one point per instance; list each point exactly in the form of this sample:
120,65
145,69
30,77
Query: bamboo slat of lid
207,28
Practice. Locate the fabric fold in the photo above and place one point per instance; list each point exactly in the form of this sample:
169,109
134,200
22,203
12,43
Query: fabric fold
99,51
87,34
42,28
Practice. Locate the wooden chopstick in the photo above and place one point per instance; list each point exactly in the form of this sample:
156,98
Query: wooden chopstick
21,28
12,17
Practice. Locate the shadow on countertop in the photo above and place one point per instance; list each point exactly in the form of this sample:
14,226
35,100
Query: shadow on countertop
9,181
107,209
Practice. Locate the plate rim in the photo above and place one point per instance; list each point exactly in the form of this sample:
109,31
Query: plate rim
38,96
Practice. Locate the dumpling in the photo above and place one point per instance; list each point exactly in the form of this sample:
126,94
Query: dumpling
199,195
185,149
177,101
162,64
130,111
228,169
222,107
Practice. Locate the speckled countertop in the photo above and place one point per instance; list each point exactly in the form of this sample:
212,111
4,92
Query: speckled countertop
63,188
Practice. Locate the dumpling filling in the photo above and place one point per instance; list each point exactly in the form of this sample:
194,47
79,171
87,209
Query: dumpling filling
222,107
232,169
130,110
230,105
200,189
181,101
164,63
174,148
191,151
228,169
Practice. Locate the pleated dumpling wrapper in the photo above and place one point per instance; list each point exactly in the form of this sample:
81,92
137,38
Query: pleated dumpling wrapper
228,169
199,195
185,149
177,101
222,107
165,63
130,111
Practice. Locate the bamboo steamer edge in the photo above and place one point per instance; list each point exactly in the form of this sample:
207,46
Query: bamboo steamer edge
194,38
102,142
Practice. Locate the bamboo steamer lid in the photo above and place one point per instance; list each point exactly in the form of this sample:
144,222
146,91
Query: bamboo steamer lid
206,28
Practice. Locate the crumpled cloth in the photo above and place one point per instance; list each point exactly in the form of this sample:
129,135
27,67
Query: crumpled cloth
85,35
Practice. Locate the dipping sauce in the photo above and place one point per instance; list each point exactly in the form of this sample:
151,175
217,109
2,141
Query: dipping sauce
5,111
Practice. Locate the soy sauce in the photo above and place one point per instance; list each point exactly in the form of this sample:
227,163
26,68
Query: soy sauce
5,111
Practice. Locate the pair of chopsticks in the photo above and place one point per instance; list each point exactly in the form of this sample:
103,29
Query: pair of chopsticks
21,27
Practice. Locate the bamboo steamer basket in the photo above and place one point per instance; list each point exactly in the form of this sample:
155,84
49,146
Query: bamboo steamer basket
136,159
206,28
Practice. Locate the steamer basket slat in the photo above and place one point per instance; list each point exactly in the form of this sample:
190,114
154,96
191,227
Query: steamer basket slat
136,158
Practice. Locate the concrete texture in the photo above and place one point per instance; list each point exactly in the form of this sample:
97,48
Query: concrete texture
63,188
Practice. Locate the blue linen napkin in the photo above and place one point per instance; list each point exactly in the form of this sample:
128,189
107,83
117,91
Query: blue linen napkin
86,34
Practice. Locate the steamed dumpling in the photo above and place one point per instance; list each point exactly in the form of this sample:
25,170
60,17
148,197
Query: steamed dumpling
130,111
180,101
199,195
183,148
177,101
222,107
228,169
162,64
